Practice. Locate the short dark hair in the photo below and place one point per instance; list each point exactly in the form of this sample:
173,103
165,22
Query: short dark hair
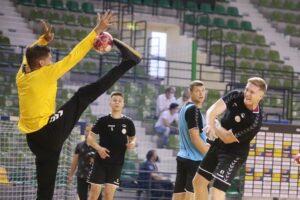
34,53
173,106
116,93
149,154
170,89
195,83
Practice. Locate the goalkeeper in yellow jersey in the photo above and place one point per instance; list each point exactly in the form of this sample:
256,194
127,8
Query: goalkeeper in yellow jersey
47,129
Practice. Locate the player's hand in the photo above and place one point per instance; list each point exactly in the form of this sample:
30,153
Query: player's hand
103,152
232,136
130,145
104,21
47,31
210,132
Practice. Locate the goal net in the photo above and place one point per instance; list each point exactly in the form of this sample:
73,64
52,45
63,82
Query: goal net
17,168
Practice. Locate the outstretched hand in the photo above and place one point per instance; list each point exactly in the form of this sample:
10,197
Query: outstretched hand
47,31
130,145
104,21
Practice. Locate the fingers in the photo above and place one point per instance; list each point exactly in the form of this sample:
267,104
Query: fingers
98,17
50,29
107,16
44,25
106,150
105,153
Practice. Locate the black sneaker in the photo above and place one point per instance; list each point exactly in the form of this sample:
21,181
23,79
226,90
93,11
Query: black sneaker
127,52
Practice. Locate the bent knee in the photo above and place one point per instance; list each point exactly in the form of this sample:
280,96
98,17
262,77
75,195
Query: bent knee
199,181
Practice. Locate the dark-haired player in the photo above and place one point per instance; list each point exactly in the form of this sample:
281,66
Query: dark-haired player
116,134
47,129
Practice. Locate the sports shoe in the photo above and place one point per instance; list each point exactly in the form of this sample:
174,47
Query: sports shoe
127,52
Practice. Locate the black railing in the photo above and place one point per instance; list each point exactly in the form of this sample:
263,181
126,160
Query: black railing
281,98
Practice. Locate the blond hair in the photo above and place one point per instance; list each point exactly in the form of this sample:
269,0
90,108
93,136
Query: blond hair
259,82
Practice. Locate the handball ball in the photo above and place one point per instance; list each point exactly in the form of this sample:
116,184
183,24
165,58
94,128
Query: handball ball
103,43
297,159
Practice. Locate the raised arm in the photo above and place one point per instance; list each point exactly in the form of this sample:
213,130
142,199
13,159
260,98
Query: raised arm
46,37
58,69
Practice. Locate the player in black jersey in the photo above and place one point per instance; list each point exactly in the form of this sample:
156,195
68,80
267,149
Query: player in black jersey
82,162
240,123
116,133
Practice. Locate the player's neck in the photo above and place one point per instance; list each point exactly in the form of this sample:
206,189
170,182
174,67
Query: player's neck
251,107
198,105
116,115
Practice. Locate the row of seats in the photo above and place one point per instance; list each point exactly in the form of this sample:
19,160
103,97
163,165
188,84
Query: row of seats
4,40
88,7
280,4
70,5
247,53
202,20
274,82
185,6
62,18
292,31
284,17
287,17
245,45
247,38
10,58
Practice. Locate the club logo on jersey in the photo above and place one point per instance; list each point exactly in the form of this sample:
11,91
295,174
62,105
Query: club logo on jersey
237,119
124,131
111,127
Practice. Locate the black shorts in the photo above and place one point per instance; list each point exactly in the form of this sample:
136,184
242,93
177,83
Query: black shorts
186,170
102,173
221,167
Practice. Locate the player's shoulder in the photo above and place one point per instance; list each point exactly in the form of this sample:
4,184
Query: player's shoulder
103,117
125,117
190,106
234,94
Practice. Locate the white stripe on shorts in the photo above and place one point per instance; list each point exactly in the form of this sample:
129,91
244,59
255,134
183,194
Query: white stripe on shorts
216,177
205,171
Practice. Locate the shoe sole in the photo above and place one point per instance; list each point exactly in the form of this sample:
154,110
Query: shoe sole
135,52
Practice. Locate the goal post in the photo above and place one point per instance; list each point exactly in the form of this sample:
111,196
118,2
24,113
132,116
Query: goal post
17,165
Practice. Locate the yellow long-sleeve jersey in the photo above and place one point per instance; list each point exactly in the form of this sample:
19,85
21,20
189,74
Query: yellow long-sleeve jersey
37,89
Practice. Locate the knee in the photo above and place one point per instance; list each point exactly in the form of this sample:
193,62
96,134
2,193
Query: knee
108,195
217,194
199,181
94,192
